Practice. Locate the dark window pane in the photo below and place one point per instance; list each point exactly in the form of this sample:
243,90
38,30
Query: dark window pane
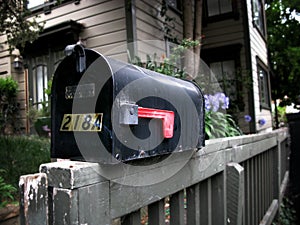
213,7
225,6
258,17
218,7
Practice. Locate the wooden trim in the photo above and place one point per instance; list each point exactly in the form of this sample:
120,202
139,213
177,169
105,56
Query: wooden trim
260,63
263,33
252,126
130,14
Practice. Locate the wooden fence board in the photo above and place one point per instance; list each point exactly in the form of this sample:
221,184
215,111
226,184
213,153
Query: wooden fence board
193,204
156,213
132,219
93,204
177,210
65,206
235,193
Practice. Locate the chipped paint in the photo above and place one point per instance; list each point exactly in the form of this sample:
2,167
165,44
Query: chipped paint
30,186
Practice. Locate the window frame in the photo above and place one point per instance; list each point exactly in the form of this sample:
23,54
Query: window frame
261,30
234,14
265,97
177,8
48,61
48,5
35,84
223,80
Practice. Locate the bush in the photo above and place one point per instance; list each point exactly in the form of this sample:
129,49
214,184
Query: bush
6,191
219,123
287,213
9,108
22,155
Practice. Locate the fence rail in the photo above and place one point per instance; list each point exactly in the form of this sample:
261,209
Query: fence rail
237,180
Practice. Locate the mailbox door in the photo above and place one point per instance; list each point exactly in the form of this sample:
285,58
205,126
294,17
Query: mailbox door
81,111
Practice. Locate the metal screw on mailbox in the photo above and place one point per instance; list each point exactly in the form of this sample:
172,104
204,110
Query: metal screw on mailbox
131,111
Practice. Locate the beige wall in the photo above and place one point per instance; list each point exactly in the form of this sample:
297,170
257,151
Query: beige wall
150,28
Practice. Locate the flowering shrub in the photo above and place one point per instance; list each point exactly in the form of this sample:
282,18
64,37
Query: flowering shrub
216,101
217,123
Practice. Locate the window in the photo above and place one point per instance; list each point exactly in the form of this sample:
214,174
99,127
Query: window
225,64
34,3
41,68
175,4
258,15
225,73
46,5
218,10
263,85
218,7
40,82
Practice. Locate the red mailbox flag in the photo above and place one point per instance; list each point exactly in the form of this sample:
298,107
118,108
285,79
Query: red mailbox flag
166,116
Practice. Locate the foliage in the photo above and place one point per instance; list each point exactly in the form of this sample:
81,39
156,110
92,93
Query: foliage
46,107
287,213
8,88
217,123
169,66
284,47
281,116
21,155
9,108
14,23
6,191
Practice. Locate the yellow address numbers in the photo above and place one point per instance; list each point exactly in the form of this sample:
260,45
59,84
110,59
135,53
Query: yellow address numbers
82,122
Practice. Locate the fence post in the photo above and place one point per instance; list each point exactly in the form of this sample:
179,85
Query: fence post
34,199
235,193
78,193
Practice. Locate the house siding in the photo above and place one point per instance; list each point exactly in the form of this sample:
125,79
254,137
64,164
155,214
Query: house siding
229,32
104,24
150,28
5,60
258,48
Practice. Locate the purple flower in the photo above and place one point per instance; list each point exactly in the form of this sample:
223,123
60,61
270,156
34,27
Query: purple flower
247,118
207,102
214,102
261,122
46,128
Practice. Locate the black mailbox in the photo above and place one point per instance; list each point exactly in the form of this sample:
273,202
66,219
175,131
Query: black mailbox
104,110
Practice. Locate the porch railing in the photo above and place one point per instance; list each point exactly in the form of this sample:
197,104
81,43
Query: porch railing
237,180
